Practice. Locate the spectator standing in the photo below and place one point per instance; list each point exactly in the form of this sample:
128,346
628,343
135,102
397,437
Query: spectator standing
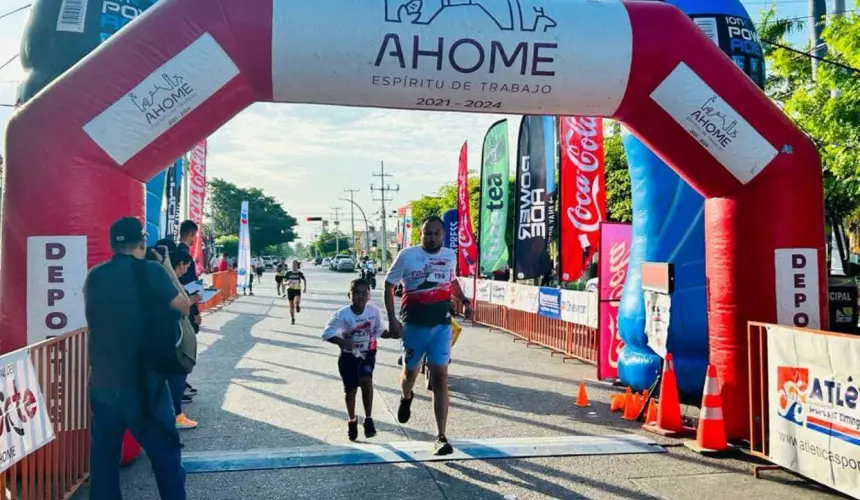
125,392
187,234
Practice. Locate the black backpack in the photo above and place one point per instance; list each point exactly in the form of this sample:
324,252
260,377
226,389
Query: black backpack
165,349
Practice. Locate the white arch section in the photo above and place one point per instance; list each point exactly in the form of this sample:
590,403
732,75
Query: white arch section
77,153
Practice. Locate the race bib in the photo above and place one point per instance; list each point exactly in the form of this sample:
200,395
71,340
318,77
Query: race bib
438,274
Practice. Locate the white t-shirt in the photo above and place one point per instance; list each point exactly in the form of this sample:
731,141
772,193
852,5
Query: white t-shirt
427,288
363,329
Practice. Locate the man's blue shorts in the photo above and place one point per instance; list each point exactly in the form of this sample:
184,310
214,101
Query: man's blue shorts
432,341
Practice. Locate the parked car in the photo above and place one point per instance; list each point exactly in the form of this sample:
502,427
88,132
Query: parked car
326,262
346,264
337,259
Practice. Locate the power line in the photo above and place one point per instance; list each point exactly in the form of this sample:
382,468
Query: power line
7,63
15,11
812,56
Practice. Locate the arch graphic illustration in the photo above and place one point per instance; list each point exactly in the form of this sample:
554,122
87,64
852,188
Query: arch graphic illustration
185,67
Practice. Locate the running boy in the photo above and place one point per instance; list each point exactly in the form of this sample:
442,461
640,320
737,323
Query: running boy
355,329
293,281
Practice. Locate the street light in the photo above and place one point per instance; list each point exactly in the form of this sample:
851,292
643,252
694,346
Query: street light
366,224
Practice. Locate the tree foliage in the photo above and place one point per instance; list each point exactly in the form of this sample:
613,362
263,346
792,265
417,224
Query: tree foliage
327,246
619,204
229,245
268,222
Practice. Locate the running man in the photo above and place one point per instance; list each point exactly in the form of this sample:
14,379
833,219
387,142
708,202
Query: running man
294,280
427,273
279,279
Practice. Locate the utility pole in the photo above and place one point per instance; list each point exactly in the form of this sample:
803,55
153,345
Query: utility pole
383,189
352,216
336,230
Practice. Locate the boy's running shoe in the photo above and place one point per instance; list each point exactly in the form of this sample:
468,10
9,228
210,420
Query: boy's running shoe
369,428
352,429
405,409
443,447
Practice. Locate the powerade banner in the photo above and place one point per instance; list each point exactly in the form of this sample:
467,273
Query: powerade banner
59,33
244,264
449,219
583,193
737,38
531,237
468,252
495,169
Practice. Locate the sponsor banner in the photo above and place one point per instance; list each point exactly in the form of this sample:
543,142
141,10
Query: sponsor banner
812,404
549,302
528,299
56,270
197,198
531,237
614,258
797,287
737,38
495,171
657,317
842,311
26,420
499,292
610,341
583,193
579,307
550,145
719,128
173,192
450,222
244,265
468,287
513,295
478,55
467,250
163,98
407,227
154,199
484,288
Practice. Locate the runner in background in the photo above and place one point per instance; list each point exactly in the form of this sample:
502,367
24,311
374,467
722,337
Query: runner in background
427,273
279,279
355,330
294,280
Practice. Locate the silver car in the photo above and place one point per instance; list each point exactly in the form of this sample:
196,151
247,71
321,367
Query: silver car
346,264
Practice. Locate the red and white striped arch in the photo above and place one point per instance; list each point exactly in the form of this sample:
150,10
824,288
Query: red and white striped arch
77,154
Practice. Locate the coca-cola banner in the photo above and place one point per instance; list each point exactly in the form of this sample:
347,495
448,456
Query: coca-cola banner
610,341
467,250
613,260
583,194
197,197
531,236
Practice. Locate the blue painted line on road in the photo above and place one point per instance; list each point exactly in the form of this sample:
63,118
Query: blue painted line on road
414,451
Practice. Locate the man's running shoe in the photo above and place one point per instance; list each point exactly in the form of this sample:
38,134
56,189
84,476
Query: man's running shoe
292,321
369,428
443,447
183,422
298,308
190,390
187,399
352,431
405,409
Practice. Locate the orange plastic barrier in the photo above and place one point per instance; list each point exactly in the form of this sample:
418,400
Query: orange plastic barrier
58,469
572,340
225,282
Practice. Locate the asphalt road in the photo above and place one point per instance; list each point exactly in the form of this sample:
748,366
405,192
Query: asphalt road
267,384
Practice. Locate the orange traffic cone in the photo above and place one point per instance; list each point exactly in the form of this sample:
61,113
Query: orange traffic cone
711,434
669,410
631,411
651,416
616,402
582,397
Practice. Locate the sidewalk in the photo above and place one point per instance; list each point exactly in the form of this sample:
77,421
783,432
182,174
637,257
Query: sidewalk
267,384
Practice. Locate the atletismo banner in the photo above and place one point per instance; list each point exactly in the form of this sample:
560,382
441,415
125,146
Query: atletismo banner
612,264
583,194
468,252
196,198
531,256
495,171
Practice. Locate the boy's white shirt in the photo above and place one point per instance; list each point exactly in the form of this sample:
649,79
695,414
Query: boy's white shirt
344,323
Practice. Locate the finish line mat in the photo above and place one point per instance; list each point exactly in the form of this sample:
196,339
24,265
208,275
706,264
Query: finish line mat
415,451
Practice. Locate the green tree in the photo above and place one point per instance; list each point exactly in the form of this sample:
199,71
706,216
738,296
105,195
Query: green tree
619,206
229,245
326,244
269,223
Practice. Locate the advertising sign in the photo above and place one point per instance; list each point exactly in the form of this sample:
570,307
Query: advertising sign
610,341
579,308
56,270
797,287
197,198
657,316
549,302
483,290
26,421
467,257
531,222
614,258
495,170
450,222
499,292
243,267
492,56
812,404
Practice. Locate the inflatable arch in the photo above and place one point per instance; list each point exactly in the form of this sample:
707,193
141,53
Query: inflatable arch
185,67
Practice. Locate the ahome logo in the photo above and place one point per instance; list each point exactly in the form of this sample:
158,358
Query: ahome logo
467,55
716,124
164,98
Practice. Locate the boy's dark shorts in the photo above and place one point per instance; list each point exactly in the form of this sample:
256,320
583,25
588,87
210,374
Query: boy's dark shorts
292,294
352,368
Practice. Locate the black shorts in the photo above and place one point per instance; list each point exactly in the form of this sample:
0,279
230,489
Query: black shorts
352,368
292,294
279,279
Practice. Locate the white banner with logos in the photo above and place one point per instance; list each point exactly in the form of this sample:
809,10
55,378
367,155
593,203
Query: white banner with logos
523,297
579,307
26,423
657,316
483,291
499,292
468,286
812,397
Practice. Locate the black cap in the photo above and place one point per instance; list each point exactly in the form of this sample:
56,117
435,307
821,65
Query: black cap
127,231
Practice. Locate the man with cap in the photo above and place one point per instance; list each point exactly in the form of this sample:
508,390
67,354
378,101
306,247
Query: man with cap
124,392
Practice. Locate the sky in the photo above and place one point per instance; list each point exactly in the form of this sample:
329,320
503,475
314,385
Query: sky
306,155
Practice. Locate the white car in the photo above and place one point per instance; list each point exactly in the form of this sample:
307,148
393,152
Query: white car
326,262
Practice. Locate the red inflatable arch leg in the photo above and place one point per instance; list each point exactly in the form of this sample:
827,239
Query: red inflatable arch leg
81,149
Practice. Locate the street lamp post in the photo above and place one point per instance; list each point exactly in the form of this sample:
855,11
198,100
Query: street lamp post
366,224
